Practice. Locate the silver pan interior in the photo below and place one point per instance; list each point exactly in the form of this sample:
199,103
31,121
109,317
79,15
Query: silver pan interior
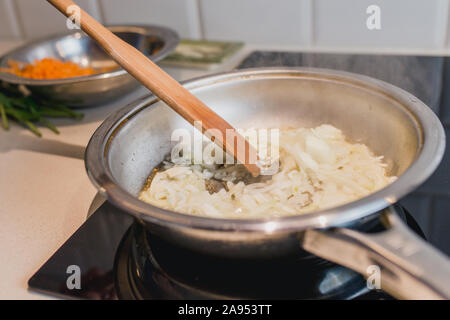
392,122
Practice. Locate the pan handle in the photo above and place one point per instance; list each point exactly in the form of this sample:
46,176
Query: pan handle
409,267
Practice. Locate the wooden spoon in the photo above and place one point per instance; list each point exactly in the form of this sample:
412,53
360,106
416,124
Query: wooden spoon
163,86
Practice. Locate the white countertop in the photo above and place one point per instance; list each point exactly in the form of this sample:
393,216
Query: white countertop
45,193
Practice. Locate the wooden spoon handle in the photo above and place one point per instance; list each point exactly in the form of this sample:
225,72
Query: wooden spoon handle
164,86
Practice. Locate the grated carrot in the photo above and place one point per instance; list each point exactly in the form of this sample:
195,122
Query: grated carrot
48,68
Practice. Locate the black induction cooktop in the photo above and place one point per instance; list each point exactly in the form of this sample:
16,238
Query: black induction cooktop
112,257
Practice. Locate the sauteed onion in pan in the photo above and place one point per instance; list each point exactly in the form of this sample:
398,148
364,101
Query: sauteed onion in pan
318,169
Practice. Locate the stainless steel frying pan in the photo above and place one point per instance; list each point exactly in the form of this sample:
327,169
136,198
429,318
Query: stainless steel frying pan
392,122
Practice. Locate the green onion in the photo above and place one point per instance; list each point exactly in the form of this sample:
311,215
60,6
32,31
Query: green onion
54,113
29,110
33,128
50,125
5,122
64,109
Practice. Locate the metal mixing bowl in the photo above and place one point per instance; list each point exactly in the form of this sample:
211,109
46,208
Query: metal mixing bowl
154,41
